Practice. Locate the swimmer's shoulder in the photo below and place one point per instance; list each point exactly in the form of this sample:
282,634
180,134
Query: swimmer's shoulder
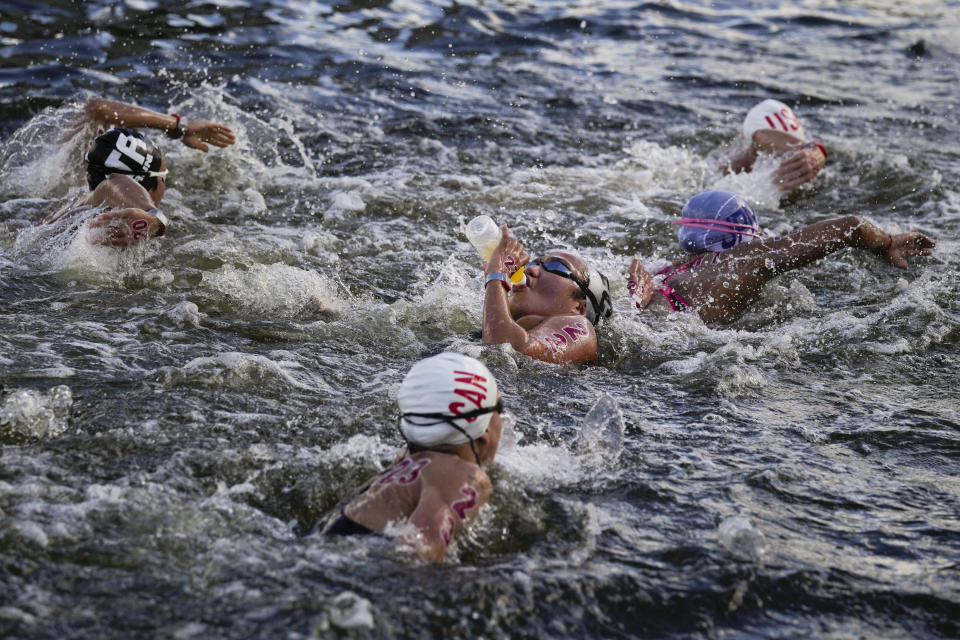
452,472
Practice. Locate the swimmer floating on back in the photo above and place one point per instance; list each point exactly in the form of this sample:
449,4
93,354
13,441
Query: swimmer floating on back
552,316
450,418
772,127
127,173
720,284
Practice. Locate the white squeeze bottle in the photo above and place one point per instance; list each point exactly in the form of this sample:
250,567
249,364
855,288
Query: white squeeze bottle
484,234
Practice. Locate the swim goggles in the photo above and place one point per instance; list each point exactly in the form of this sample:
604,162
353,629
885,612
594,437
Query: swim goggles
449,419
559,268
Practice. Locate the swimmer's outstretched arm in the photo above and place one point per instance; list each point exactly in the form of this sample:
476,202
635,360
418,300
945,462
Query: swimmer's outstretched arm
197,133
823,238
720,290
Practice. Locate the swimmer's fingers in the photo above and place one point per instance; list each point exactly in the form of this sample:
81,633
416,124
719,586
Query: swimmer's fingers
640,282
106,218
200,132
908,245
123,228
800,167
506,257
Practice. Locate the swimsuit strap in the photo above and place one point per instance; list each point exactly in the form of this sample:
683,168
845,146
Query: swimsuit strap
677,303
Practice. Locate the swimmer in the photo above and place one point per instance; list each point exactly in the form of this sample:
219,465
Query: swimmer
718,286
772,127
553,316
127,173
450,419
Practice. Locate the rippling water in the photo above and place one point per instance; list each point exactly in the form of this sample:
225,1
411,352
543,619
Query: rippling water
174,419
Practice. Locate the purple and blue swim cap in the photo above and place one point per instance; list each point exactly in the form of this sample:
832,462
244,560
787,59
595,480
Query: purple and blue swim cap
716,221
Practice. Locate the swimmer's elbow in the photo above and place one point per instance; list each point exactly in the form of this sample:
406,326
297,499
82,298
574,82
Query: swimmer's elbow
423,546
95,109
433,552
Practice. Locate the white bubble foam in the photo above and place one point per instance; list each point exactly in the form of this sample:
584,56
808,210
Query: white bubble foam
27,412
276,289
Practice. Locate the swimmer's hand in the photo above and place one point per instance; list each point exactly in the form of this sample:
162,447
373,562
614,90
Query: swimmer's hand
508,256
639,283
201,132
124,227
799,167
907,245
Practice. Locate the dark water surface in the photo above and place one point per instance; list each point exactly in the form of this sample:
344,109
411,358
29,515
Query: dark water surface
174,419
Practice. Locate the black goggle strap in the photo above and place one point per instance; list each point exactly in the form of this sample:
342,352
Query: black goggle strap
598,305
442,417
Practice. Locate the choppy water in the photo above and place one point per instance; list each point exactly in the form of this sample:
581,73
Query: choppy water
173,420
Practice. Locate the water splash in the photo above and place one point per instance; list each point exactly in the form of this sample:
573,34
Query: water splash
738,536
29,413
601,433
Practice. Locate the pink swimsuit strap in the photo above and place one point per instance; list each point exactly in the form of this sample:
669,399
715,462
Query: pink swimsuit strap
671,271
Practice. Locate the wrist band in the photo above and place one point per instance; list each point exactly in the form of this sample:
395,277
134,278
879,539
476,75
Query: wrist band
498,276
162,219
180,130
823,149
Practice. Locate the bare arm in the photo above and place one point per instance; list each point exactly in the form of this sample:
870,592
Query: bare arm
198,132
818,240
750,265
444,510
120,190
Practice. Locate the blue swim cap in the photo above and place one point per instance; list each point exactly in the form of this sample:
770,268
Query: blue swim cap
716,221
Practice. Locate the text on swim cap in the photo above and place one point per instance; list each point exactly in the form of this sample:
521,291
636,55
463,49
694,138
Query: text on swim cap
476,397
786,120
131,147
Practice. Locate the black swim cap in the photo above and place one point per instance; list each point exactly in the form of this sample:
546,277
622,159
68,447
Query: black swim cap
123,151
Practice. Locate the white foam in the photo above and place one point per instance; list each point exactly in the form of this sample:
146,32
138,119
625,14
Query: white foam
27,412
275,289
240,370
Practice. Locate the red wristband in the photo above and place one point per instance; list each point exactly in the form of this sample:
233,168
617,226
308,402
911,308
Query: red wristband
178,131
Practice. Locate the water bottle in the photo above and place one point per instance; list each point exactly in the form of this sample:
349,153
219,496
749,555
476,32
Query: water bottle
484,234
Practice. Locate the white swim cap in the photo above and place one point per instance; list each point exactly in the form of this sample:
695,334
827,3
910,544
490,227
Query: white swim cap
436,391
772,114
